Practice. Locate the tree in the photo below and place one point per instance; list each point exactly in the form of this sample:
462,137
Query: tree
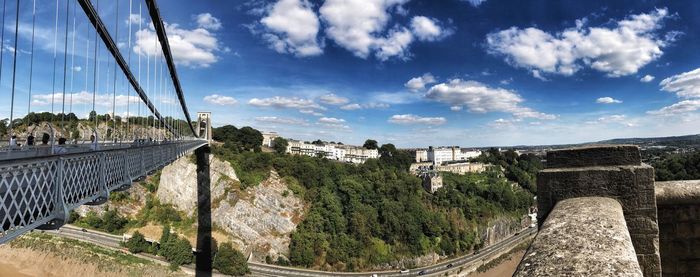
177,251
137,243
3,127
370,144
230,261
280,145
318,142
225,133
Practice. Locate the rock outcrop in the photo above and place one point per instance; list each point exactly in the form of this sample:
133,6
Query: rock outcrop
258,219
178,182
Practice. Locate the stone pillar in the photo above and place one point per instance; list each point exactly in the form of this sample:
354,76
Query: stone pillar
613,171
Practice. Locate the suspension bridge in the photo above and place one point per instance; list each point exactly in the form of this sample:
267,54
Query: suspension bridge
114,112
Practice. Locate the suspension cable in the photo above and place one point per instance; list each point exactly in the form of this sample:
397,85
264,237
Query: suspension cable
65,65
53,82
72,63
31,59
94,77
2,37
14,72
128,95
114,79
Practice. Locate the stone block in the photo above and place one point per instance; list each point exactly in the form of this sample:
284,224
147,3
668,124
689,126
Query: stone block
650,264
641,225
603,155
645,244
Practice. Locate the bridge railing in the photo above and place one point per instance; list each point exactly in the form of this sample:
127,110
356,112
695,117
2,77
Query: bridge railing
39,192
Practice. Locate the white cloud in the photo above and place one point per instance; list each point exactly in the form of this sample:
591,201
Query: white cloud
647,78
286,102
207,21
292,27
356,25
608,100
220,100
351,107
409,119
618,51
475,3
332,99
85,98
679,108
192,48
311,112
331,120
479,98
281,120
134,19
419,83
428,29
373,105
77,68
685,85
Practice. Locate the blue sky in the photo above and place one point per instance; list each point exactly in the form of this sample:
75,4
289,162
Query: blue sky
413,73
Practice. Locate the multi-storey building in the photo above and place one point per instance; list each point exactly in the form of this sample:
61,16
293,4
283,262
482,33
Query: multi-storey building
343,153
440,155
268,137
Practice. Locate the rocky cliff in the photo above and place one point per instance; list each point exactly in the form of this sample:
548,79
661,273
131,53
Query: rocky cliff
258,220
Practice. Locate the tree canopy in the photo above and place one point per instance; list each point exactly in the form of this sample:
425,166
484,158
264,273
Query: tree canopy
370,144
280,145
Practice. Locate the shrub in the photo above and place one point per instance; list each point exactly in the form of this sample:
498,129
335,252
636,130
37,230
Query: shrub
230,261
137,243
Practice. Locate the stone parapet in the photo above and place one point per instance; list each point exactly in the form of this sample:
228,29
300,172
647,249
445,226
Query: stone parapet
607,171
679,227
595,155
585,236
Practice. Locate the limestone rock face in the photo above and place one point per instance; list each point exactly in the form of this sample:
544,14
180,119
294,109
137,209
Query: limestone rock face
261,218
258,219
178,182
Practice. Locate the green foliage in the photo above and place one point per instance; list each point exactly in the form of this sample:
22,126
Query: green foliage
3,127
370,144
73,216
177,251
280,145
164,214
377,212
110,221
230,261
238,140
137,243
118,196
685,166
520,169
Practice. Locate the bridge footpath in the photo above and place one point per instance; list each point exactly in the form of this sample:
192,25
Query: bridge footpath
39,192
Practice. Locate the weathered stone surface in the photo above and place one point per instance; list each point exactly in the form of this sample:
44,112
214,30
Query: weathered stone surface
679,232
678,192
261,218
178,182
597,155
607,171
584,236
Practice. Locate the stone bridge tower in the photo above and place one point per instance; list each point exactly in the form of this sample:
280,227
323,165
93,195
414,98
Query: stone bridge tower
204,125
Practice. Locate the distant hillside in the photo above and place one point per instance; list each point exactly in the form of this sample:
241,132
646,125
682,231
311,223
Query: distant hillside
659,141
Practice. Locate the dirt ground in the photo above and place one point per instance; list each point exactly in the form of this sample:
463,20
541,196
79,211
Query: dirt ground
505,269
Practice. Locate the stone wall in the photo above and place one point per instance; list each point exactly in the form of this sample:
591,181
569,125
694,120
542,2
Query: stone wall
594,242
613,171
679,226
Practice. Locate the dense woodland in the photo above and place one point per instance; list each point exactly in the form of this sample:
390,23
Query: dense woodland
671,166
376,212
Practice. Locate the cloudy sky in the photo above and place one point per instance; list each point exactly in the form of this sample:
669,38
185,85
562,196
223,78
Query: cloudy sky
409,72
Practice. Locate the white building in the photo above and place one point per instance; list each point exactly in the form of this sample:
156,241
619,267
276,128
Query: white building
421,155
343,153
441,155
268,137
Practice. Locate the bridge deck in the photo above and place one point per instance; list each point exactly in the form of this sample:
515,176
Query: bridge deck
39,191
